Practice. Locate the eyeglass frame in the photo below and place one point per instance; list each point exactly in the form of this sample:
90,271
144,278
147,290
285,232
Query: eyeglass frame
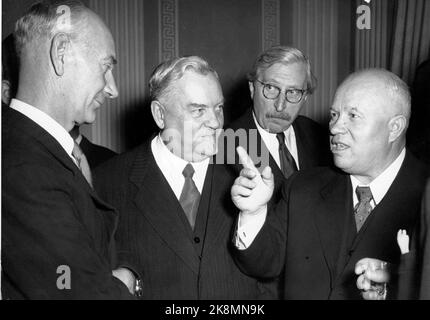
302,91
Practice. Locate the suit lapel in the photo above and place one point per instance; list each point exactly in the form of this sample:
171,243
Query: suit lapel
220,205
51,145
330,216
157,202
303,151
390,213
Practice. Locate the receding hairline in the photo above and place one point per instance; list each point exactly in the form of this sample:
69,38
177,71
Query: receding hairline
286,56
381,79
40,23
168,72
173,87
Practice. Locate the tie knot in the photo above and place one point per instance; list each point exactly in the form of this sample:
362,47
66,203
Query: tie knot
281,138
188,171
363,193
77,151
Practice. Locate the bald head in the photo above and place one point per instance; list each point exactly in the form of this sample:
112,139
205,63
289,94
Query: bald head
394,90
34,31
369,118
67,54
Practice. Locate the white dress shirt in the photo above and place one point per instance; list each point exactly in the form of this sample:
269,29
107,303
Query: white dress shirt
380,185
172,166
47,123
249,231
272,143
246,233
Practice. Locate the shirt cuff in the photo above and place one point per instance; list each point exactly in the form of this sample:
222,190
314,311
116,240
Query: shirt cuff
248,228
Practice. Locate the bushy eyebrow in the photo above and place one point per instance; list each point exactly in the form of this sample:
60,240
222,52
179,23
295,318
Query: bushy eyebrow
197,105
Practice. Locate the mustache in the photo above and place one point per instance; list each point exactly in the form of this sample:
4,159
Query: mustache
282,116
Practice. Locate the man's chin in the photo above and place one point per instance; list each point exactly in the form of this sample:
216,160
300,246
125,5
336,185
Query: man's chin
203,154
90,118
342,163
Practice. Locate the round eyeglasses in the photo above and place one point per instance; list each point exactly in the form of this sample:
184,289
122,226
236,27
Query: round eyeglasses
272,92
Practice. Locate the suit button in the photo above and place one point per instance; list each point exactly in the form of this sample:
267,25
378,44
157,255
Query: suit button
197,240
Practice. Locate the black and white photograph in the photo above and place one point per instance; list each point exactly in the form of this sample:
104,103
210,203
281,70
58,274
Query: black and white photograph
215,156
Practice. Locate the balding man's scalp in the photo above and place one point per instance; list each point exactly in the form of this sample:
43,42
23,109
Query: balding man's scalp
386,81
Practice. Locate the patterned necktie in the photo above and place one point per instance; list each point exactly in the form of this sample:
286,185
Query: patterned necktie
82,162
190,196
363,207
288,165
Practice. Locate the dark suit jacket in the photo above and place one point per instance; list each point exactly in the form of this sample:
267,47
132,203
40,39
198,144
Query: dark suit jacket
312,146
95,154
51,217
175,263
312,232
414,271
425,246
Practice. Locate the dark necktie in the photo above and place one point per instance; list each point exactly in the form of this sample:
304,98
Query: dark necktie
82,162
190,196
288,165
363,207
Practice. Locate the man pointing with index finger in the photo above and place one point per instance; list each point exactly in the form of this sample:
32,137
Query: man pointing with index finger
329,218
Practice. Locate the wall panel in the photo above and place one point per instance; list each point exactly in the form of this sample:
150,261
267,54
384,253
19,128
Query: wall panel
126,22
315,32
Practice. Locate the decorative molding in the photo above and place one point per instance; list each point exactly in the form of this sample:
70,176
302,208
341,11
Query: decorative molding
271,23
168,29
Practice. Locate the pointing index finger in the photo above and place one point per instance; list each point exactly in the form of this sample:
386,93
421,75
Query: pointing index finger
245,159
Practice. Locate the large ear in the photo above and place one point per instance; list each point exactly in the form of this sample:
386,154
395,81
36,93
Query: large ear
397,127
158,113
6,92
59,45
251,89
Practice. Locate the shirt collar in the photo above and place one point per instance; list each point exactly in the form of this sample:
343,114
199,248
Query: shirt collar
380,185
172,166
47,123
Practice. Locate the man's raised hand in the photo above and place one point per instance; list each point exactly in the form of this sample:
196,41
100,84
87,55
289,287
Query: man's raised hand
251,190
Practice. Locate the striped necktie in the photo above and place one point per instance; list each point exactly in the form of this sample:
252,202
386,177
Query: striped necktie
82,163
190,196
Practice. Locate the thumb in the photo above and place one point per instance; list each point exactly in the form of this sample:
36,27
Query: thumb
267,177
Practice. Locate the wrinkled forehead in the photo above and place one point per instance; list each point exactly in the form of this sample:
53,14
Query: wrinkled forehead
363,93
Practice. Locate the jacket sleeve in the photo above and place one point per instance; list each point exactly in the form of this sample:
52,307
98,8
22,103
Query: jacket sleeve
265,257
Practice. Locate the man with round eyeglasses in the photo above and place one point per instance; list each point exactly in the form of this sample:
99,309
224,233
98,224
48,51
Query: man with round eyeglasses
334,227
272,92
279,84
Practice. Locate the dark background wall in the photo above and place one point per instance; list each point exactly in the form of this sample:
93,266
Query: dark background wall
229,34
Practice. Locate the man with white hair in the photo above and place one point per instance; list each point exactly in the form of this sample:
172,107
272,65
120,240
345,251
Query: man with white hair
176,214
329,219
